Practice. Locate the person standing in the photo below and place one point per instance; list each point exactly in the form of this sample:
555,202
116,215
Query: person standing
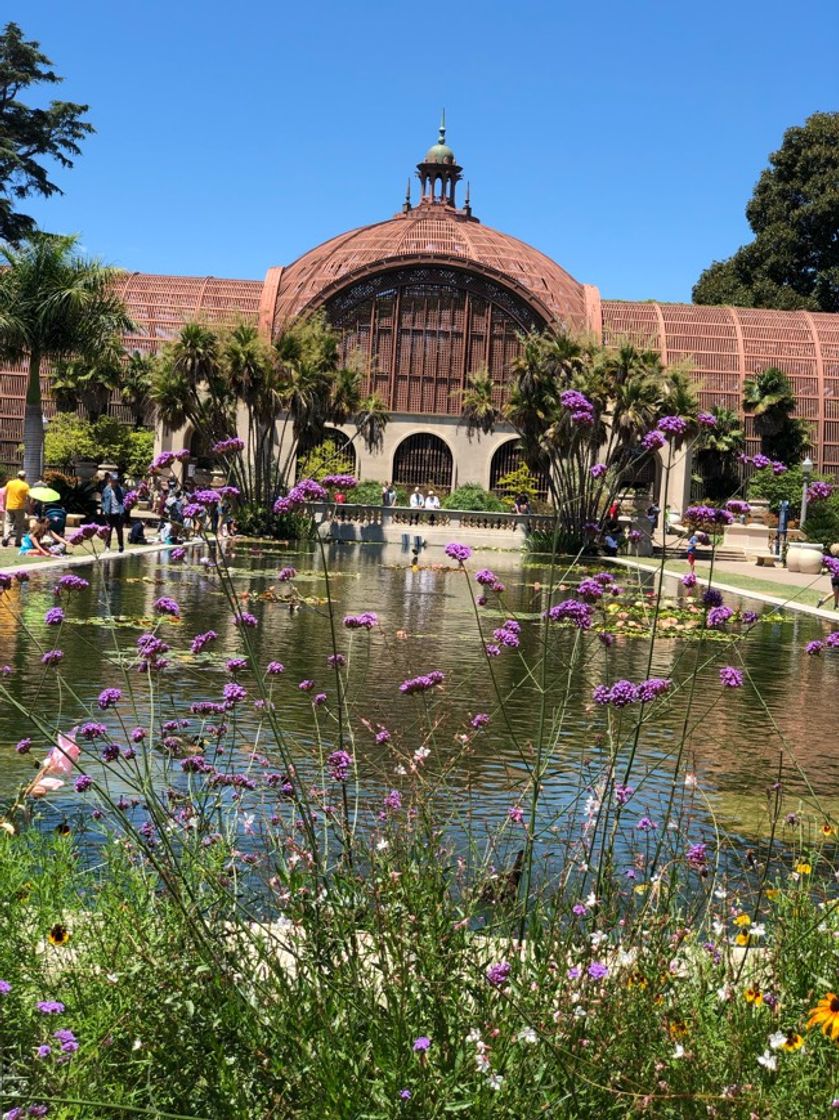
113,509
389,494
693,544
417,503
17,498
432,502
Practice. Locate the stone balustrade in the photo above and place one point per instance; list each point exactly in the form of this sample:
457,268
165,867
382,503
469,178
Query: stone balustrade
389,524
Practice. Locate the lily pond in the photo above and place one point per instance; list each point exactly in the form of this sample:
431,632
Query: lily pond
427,622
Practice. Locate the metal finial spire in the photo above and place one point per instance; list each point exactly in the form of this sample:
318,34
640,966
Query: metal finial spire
442,137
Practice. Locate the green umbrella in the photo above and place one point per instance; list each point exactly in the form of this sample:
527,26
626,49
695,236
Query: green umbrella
44,494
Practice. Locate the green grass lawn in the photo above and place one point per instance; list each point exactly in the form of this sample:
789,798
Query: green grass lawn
809,596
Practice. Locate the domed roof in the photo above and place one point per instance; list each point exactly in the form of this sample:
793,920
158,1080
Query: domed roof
432,233
439,153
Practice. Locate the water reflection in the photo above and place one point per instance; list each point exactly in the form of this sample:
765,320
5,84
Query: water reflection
734,740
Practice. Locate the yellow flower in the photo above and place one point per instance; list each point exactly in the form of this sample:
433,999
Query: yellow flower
753,995
636,980
742,939
641,888
677,1028
803,868
794,1041
826,1015
772,893
827,829
742,920
58,935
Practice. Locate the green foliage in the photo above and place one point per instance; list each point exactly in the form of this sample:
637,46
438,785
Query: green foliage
793,261
717,450
106,440
31,138
369,493
822,523
257,521
522,480
472,496
769,397
326,458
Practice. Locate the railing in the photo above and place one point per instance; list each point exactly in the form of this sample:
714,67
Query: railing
452,519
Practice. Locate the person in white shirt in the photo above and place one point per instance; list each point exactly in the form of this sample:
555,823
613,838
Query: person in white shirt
432,501
417,503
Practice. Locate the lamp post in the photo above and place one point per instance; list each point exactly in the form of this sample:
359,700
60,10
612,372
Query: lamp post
806,471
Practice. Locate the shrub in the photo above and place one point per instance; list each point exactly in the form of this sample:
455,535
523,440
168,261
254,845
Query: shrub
473,497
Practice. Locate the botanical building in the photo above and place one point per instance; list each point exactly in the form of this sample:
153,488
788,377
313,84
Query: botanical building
432,294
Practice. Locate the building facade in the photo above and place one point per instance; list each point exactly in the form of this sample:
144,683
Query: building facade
432,295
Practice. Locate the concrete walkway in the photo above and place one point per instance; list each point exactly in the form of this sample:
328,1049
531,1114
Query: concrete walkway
34,563
775,586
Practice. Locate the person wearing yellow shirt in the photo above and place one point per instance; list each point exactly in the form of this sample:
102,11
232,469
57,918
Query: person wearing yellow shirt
17,497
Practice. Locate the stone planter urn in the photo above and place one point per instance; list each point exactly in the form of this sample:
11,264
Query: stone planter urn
85,469
804,556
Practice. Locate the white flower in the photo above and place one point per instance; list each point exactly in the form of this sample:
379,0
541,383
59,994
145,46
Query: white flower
137,1044
679,1051
247,823
528,1035
580,1013
597,938
777,1040
724,993
421,753
112,977
717,928
474,1035
400,770
757,930
720,892
482,1062
382,845
591,901
691,781
495,1081
769,1061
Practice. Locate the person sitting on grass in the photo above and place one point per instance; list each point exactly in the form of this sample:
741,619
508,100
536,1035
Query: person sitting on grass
42,539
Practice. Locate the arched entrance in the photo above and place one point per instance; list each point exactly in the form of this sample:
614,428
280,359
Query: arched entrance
507,459
423,460
335,454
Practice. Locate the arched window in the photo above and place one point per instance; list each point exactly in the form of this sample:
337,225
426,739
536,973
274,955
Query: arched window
335,454
509,458
423,460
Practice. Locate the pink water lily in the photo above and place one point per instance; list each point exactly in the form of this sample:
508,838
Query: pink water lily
60,760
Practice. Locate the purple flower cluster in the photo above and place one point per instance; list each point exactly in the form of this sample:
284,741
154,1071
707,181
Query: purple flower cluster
654,440
712,597
165,458
598,470
573,611
286,574
54,616
237,664
814,648
340,481
364,621
234,692
760,462
150,649
478,721
459,552
201,640
165,605
717,617
590,590
623,794
597,970
498,974
109,697
52,657
23,746
422,683
706,420
5,581
340,764
737,507
245,618
206,497
748,617
819,491
50,1007
624,692
707,517
228,446
177,555
307,490
130,500
697,857
673,425
82,783
70,583
508,634
580,407
731,677
274,668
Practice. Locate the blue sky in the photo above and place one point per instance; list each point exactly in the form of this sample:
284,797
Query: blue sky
623,139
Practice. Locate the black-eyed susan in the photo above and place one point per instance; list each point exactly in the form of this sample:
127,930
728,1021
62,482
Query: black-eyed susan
753,995
677,1028
742,939
742,920
826,1016
59,935
828,829
804,868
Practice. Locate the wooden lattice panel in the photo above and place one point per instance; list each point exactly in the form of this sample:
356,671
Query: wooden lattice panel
427,233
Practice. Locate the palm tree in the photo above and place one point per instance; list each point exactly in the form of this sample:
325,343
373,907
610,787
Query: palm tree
54,306
135,386
717,450
89,382
478,409
770,399
371,419
252,379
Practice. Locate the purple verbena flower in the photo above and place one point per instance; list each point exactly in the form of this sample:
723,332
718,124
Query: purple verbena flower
340,763
286,574
598,470
498,974
597,970
731,677
366,621
82,783
52,657
54,616
50,1007
421,1044
422,683
23,746
672,425
718,617
274,668
201,640
109,698
459,552
165,605
245,618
